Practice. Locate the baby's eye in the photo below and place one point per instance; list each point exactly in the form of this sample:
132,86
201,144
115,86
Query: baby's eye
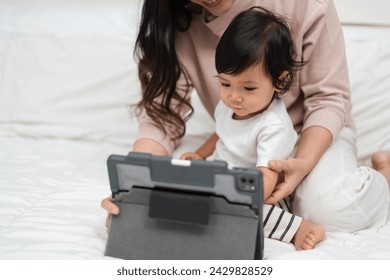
249,88
225,84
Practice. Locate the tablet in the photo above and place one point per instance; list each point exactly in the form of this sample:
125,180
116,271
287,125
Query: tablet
180,209
236,185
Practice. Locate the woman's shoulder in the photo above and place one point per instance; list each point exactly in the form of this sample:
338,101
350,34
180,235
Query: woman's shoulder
298,12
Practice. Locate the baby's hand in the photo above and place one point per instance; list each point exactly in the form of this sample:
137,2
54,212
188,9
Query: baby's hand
190,156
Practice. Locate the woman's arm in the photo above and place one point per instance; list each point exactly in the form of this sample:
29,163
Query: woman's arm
141,145
312,145
149,146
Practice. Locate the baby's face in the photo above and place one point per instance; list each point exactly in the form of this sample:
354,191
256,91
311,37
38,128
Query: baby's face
248,93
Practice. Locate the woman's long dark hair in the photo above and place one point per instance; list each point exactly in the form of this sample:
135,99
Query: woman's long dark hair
257,36
158,66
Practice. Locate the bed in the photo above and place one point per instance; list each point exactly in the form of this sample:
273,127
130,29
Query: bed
68,84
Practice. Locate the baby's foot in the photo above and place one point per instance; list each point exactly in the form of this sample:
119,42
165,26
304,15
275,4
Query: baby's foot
308,235
381,162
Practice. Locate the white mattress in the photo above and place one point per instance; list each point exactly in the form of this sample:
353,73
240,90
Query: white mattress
50,206
50,198
66,82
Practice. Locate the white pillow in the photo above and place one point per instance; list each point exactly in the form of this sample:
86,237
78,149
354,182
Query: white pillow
67,69
368,54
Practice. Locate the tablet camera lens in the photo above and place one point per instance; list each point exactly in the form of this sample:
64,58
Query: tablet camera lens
246,184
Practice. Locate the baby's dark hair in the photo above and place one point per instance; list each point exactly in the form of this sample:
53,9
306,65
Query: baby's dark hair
258,37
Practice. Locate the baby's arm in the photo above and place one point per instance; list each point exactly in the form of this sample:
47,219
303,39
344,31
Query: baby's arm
270,178
204,151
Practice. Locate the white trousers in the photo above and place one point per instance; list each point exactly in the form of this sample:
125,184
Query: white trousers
340,195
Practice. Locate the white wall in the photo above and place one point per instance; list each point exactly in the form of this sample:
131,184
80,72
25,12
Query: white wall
375,12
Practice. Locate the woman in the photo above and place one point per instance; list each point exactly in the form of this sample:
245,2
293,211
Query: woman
176,47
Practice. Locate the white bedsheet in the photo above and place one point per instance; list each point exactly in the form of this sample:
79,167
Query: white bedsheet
50,206
66,81
50,199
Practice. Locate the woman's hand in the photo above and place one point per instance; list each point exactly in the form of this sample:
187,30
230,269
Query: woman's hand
111,209
191,155
294,170
312,145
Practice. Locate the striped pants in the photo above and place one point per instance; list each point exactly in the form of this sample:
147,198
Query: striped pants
278,221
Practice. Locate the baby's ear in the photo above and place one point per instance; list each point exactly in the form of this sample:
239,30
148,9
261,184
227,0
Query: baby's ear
284,80
285,77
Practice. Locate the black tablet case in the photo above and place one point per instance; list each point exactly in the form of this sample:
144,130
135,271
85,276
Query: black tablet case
172,209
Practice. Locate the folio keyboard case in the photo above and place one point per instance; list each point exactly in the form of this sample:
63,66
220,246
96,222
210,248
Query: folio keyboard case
175,209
